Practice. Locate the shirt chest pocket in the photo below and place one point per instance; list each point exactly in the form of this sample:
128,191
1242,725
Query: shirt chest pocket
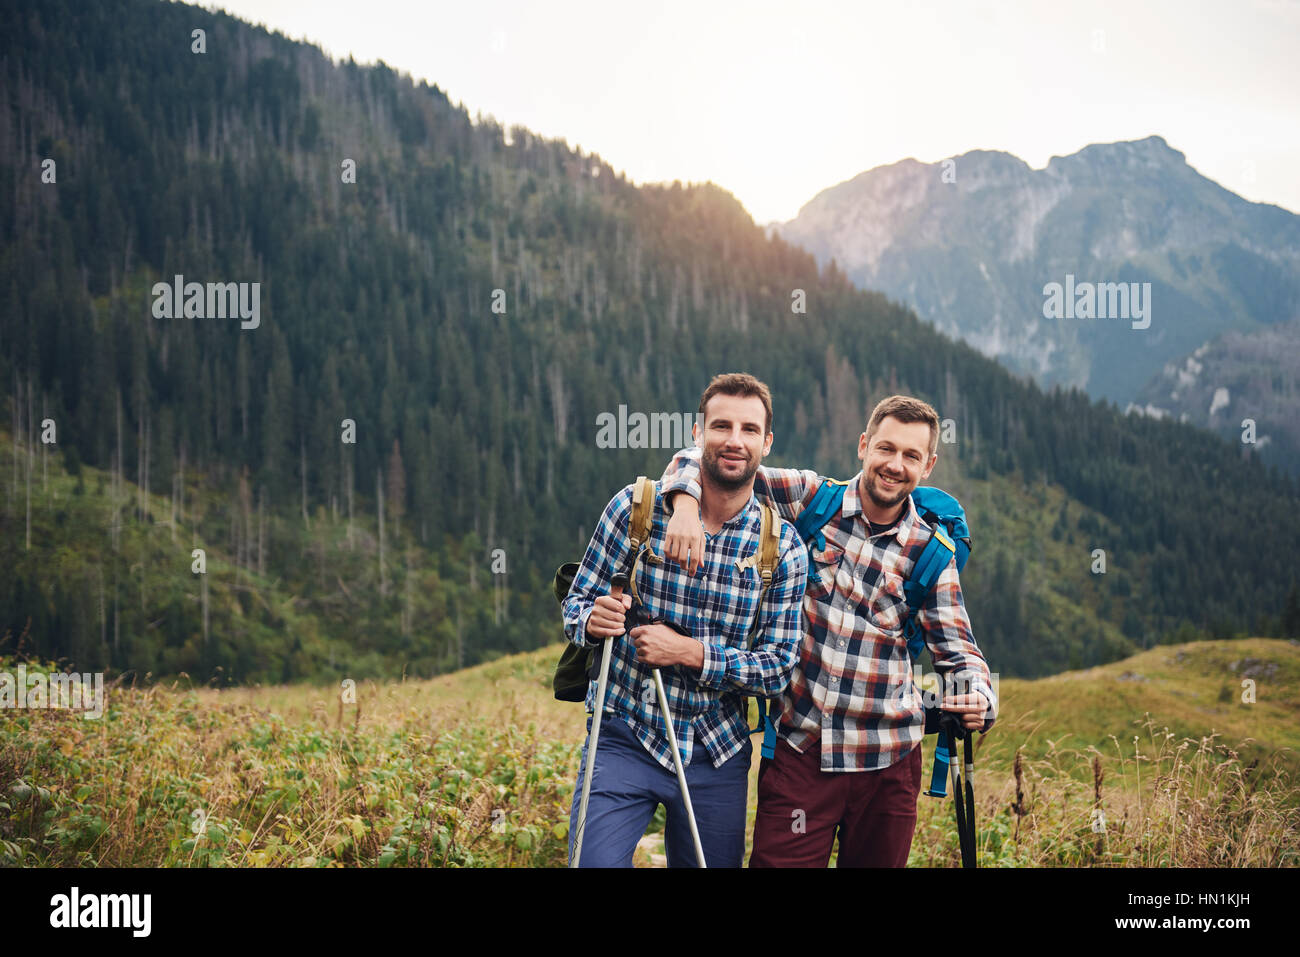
888,605
823,566
733,600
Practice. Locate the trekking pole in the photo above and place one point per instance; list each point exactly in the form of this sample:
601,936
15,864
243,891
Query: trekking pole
970,794
955,770
677,763
617,584
965,826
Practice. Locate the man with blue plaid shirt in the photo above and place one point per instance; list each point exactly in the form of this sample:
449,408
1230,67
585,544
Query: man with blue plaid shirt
707,663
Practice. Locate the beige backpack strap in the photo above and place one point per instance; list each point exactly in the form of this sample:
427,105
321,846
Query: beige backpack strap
767,558
769,545
638,526
643,506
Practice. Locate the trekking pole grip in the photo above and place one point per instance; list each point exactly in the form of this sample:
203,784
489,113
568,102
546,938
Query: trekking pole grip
617,586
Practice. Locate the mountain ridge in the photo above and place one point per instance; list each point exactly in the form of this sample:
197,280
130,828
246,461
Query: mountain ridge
971,240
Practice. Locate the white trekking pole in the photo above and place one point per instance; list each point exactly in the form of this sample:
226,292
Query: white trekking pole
677,763
615,591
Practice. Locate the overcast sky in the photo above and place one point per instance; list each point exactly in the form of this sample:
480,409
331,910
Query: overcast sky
776,101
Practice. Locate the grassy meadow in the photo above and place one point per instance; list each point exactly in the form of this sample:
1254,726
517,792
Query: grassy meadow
1155,760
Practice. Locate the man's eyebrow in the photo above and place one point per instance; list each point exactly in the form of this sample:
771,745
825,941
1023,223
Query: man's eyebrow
912,449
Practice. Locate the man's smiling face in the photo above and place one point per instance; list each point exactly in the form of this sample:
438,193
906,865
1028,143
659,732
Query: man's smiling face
895,459
734,439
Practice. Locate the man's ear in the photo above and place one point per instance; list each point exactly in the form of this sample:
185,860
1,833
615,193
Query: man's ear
862,447
767,443
934,457
696,434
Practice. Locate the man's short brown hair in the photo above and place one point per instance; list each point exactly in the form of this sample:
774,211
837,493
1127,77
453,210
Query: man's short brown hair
905,409
741,385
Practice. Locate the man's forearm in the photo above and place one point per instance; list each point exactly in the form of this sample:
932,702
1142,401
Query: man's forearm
660,646
783,489
693,656
687,501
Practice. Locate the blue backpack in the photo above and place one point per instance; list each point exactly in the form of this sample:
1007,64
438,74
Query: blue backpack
949,538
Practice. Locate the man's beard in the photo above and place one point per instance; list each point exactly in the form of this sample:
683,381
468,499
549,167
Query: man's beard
711,468
878,499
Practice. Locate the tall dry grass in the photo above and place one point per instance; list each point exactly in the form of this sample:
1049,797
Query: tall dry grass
477,769
166,778
1154,800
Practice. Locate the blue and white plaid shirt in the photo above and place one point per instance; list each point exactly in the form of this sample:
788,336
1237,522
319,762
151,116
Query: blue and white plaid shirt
717,606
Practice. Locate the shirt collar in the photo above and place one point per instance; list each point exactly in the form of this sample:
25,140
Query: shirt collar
741,517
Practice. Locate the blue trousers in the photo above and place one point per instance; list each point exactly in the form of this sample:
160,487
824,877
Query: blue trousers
628,784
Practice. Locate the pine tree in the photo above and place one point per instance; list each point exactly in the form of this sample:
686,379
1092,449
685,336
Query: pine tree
1291,613
396,501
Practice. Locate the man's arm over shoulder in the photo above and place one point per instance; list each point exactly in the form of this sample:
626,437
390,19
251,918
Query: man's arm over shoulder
783,489
947,631
764,670
608,553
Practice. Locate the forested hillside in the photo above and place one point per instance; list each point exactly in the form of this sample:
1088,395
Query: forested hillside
464,301
1238,384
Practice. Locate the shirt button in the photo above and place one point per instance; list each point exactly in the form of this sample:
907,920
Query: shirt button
841,642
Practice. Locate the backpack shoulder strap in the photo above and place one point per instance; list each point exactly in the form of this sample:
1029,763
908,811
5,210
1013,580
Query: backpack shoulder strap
826,501
769,545
927,568
643,506
769,556
638,528
947,519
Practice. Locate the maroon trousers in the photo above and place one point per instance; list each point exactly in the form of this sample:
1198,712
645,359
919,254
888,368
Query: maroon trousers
801,808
